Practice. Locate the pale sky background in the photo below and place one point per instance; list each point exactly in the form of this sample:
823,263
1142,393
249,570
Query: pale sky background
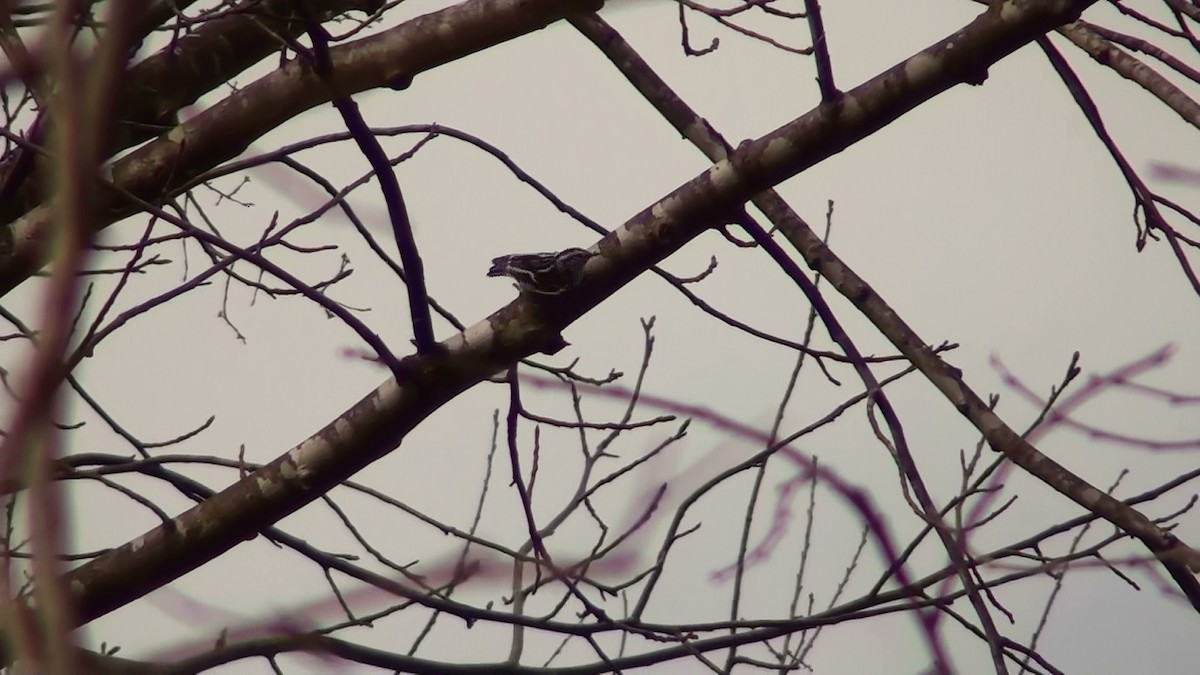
991,217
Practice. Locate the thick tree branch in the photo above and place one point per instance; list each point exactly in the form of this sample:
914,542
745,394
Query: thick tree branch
164,166
376,425
1178,558
153,91
684,119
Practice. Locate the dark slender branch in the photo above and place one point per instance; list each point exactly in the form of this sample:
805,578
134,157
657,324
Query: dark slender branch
820,43
410,257
1142,195
904,457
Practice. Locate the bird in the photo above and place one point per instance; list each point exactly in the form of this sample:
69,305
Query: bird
543,273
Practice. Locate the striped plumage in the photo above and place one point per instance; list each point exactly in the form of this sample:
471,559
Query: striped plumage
543,273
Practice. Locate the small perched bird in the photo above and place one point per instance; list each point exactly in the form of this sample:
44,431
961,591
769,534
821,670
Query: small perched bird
542,273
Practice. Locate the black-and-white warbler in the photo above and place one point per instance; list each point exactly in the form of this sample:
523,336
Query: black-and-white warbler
542,273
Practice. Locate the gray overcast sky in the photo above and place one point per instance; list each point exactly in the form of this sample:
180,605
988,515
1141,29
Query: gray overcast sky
991,217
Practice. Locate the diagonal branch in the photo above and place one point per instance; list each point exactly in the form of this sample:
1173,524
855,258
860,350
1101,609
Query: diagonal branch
820,43
1178,558
390,58
153,91
410,256
646,81
377,423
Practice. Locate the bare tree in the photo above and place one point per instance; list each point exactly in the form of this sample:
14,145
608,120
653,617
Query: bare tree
138,137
